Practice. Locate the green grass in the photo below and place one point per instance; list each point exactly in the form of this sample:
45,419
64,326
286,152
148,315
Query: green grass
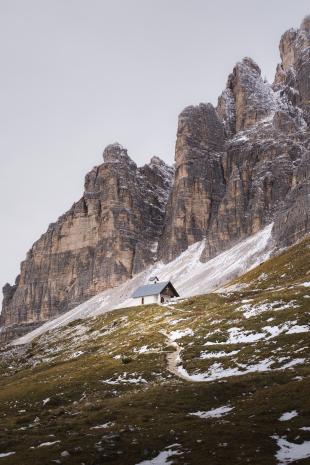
147,417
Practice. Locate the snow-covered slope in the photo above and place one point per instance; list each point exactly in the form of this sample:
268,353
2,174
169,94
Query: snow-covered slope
189,276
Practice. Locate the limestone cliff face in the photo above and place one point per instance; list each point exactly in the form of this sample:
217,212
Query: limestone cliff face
293,81
232,180
247,98
198,184
105,238
293,73
292,221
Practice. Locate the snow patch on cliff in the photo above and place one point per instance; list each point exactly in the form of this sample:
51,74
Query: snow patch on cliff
188,274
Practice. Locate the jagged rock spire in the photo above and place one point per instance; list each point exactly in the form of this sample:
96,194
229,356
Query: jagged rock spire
116,153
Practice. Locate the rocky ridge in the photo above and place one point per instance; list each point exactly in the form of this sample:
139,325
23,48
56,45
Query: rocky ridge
238,167
245,163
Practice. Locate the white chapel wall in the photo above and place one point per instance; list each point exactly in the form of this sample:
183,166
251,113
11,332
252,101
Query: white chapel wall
151,299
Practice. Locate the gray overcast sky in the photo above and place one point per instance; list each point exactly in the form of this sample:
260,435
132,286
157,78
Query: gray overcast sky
77,75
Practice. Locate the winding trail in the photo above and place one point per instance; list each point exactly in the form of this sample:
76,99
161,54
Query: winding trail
174,358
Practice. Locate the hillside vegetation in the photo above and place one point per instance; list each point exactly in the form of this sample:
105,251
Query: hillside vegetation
222,378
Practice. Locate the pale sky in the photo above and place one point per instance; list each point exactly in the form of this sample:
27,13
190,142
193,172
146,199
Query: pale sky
77,75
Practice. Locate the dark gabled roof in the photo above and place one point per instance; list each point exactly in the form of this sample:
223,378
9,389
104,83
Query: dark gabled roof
151,289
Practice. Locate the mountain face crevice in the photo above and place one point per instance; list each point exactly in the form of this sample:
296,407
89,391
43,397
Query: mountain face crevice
198,183
238,167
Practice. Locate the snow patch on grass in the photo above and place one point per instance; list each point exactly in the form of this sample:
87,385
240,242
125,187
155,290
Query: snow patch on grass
221,354
161,458
296,329
290,452
142,350
240,336
123,379
292,363
254,310
175,322
45,444
178,334
237,336
262,277
109,424
217,371
288,415
76,354
214,413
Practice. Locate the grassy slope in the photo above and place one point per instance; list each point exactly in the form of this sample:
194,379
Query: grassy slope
71,367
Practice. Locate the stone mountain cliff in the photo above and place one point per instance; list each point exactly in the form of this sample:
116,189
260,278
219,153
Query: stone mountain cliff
245,163
110,234
238,167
